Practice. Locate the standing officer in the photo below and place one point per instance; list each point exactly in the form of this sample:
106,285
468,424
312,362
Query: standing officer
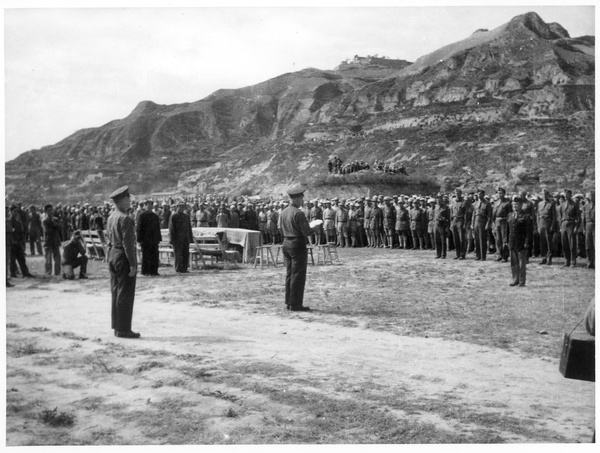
122,263
389,221
589,221
441,223
570,216
52,228
295,229
35,230
148,235
520,236
546,220
482,219
500,217
459,211
180,232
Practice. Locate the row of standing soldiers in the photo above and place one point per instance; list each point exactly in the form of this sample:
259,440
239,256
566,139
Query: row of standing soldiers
562,225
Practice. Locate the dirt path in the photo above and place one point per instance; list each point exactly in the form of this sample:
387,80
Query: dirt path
465,386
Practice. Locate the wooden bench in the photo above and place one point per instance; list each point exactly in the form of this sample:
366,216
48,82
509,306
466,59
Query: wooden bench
96,246
213,246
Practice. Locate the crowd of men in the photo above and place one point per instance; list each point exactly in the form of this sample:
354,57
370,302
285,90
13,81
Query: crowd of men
563,224
464,223
336,166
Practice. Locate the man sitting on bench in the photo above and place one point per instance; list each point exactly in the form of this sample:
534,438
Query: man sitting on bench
71,259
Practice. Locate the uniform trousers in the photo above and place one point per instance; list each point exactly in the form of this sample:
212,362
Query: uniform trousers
417,237
546,243
481,236
569,242
439,233
295,256
182,256
590,242
35,241
518,263
52,253
79,261
122,288
150,258
501,234
17,255
460,238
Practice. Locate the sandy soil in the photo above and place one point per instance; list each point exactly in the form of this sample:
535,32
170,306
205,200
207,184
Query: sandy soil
208,355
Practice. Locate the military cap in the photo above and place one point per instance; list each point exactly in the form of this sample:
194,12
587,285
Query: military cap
375,199
578,195
386,198
501,189
121,192
431,200
517,199
296,190
335,199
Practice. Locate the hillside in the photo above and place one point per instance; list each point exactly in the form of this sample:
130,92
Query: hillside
511,106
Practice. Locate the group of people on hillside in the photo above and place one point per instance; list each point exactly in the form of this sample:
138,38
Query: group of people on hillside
336,166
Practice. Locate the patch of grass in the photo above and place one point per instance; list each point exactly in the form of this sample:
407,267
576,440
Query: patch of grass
55,418
11,325
24,348
39,329
69,335
170,422
196,373
262,368
144,366
230,413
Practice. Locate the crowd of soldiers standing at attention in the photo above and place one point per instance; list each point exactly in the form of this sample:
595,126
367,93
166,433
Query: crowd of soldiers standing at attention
336,166
463,223
563,224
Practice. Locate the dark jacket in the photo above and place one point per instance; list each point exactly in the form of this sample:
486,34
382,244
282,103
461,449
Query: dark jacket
147,228
520,231
52,232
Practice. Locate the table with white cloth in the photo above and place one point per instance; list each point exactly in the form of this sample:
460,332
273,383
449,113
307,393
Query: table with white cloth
247,239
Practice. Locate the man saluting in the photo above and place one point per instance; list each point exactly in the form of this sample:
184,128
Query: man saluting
122,263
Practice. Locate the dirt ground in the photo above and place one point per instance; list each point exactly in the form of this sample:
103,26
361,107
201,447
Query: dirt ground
399,349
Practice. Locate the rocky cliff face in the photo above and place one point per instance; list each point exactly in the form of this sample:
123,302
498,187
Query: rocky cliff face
511,106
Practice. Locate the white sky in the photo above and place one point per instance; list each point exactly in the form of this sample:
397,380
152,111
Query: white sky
66,69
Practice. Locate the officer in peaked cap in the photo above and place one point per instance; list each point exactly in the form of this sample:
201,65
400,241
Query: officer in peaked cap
295,229
122,263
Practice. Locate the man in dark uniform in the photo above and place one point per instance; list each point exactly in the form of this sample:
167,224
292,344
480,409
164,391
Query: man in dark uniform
296,229
122,263
441,223
180,232
482,220
520,235
148,235
546,221
500,217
